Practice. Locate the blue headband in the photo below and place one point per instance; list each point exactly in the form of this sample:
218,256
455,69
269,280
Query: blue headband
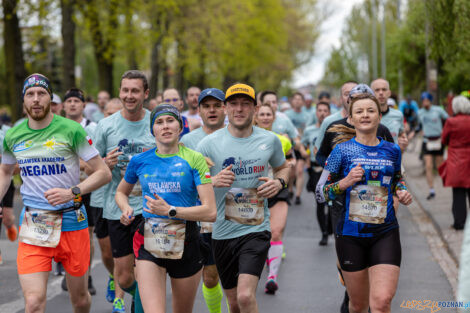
164,109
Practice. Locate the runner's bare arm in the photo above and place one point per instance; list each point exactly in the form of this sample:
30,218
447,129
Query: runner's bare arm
273,185
206,212
122,200
101,175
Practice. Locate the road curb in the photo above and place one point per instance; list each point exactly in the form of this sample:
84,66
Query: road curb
439,246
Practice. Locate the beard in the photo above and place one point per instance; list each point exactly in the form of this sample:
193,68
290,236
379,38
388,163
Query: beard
41,115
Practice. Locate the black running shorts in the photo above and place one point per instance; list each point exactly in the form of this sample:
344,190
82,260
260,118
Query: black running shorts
7,201
358,253
122,236
89,212
101,224
439,152
190,263
242,255
282,195
206,239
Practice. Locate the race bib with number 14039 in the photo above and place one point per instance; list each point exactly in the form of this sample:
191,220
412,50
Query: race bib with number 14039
243,206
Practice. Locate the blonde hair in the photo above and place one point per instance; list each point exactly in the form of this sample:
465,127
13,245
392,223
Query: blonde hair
345,133
255,119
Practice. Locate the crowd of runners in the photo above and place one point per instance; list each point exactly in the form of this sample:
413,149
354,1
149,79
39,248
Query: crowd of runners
204,194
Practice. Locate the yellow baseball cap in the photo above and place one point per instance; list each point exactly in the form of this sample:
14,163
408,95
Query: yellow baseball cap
240,89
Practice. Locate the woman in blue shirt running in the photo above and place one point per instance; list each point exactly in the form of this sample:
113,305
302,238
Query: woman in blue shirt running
172,177
362,175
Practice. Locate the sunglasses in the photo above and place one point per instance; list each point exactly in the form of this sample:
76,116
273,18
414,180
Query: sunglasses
172,100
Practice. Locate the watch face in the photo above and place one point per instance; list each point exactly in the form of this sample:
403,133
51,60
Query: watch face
76,190
172,212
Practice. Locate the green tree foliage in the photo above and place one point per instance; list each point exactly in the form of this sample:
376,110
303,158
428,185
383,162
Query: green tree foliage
447,37
177,43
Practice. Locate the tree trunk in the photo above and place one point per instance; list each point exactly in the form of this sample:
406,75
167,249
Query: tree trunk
15,70
68,44
131,54
104,42
154,70
105,73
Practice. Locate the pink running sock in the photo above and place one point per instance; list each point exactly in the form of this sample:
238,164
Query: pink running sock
274,258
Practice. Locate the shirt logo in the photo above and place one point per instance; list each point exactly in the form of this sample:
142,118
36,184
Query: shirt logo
263,147
374,174
23,146
51,144
372,153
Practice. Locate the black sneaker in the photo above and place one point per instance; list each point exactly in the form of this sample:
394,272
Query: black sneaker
324,240
91,288
59,269
297,200
345,304
431,196
64,284
271,287
291,194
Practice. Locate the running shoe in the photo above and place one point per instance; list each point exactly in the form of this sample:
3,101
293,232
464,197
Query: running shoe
91,288
118,306
111,290
59,269
324,240
64,284
284,255
431,196
345,304
12,233
271,287
297,200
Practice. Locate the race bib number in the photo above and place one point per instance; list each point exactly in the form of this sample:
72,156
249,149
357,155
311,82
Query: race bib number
243,206
368,204
164,238
41,228
434,145
206,227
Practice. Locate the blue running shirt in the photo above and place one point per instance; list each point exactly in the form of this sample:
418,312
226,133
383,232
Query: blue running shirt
381,164
173,177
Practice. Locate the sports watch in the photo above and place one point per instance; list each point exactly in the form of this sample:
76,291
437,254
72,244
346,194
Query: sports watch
77,200
76,191
172,211
283,182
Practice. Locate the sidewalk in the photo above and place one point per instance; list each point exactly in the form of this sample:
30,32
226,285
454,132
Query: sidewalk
439,209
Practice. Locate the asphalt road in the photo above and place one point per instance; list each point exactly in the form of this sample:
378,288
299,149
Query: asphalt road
307,281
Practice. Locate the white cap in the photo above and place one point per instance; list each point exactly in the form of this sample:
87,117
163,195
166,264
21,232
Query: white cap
56,98
391,102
